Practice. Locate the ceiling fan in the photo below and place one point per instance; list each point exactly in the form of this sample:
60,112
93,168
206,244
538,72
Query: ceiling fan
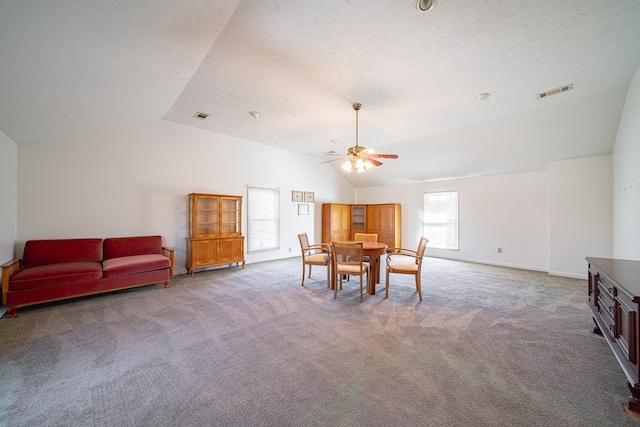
359,158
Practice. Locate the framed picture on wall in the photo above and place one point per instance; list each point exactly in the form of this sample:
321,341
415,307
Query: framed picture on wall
308,197
303,209
296,196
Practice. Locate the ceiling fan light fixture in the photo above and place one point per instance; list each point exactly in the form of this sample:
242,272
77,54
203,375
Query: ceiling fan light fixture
356,164
424,5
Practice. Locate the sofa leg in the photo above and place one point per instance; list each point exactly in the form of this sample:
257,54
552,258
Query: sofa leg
166,283
13,311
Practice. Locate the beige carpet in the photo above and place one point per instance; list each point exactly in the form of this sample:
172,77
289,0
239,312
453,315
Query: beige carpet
488,346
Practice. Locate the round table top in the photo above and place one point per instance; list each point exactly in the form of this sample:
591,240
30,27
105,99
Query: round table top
369,245
374,245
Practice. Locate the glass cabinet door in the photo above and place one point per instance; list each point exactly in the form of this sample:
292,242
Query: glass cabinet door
358,219
206,216
229,216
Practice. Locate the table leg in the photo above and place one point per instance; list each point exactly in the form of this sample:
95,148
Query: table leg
371,282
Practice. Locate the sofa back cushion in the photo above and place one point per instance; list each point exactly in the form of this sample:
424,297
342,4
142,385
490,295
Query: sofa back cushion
56,251
116,247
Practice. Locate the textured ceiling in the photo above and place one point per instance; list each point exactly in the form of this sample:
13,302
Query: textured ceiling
69,67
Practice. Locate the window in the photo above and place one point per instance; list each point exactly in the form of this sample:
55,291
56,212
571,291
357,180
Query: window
440,219
263,217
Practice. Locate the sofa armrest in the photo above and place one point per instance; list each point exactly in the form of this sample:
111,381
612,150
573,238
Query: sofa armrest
168,252
9,269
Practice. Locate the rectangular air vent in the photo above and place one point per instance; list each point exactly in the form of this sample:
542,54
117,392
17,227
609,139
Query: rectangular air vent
556,90
200,115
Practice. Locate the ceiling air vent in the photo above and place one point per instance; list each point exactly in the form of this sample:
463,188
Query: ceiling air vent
556,90
200,115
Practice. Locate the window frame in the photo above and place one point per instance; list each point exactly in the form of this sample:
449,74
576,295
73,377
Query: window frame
268,216
435,241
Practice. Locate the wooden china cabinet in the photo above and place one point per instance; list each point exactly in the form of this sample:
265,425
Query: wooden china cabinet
215,231
340,222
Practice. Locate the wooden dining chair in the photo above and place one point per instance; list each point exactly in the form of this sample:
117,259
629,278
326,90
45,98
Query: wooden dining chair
316,254
365,237
406,261
347,261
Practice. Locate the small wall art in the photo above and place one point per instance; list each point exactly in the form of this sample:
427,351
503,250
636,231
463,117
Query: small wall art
303,209
296,196
308,197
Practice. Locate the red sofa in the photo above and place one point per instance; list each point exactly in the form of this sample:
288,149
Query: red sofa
52,270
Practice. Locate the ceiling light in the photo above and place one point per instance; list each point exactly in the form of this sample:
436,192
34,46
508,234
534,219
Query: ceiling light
254,114
483,96
356,165
424,5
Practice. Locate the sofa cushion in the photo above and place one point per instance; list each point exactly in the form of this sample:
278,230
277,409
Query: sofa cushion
55,274
56,251
134,264
116,247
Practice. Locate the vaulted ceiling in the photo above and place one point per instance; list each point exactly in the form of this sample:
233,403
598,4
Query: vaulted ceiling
69,67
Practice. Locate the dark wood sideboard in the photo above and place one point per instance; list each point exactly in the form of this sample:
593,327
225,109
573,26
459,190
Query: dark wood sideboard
614,298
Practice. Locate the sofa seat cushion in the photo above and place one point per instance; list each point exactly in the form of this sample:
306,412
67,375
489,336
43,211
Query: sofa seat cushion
56,274
134,264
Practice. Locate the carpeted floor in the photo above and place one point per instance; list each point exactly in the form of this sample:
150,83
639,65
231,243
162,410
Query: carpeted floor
488,346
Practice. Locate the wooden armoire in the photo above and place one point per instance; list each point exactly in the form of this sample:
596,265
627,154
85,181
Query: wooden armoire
340,222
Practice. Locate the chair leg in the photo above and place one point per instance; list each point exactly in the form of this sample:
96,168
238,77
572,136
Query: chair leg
419,287
303,271
328,276
386,285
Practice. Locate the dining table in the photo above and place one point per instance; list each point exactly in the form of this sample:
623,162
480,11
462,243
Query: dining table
373,250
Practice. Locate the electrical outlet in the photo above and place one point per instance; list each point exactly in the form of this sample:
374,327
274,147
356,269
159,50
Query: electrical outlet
499,250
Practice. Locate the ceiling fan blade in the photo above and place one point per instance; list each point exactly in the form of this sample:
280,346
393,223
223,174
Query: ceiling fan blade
383,156
374,162
333,160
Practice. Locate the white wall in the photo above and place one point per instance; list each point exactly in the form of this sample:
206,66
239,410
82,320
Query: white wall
135,181
626,189
506,211
581,213
8,197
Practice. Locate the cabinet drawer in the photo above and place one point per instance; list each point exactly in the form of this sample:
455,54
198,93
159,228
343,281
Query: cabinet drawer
605,302
605,287
607,316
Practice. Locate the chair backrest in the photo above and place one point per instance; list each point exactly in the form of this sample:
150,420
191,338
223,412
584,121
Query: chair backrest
304,242
366,237
347,253
421,248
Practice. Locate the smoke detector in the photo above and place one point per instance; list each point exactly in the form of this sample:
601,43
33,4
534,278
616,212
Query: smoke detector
424,5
